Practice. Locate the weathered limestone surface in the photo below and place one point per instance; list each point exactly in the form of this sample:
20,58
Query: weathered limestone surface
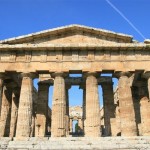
74,49
75,112
109,107
35,98
101,143
42,109
14,112
59,107
67,123
127,114
5,112
24,121
80,125
71,126
84,106
148,80
93,48
116,123
1,91
145,113
92,121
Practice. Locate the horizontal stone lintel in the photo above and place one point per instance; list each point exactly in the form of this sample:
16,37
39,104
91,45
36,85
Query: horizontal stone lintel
79,46
80,80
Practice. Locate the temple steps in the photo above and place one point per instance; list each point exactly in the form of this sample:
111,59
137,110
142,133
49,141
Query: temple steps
74,143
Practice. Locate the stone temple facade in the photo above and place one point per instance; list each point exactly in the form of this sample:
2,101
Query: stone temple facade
53,55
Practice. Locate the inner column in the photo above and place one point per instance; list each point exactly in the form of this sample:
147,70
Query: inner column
127,114
145,108
59,106
68,86
5,112
14,111
42,108
92,121
109,107
1,90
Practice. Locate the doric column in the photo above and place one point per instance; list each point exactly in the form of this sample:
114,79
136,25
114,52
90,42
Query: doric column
145,109
24,121
80,125
34,109
49,120
147,76
127,113
84,103
14,111
5,112
71,125
109,107
145,119
115,123
67,109
42,109
82,86
1,90
59,106
113,127
32,134
92,121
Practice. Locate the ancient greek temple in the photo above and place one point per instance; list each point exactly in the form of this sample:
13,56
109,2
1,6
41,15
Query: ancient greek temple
52,55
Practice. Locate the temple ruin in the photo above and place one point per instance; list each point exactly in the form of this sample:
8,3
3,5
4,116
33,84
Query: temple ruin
52,55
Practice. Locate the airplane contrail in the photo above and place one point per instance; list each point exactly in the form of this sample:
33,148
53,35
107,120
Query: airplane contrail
126,19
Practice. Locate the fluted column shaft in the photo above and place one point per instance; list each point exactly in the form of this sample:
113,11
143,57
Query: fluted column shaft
148,83
127,113
92,121
109,107
25,107
80,125
14,112
115,123
145,119
71,125
84,107
1,91
145,109
82,86
5,112
67,110
59,107
42,109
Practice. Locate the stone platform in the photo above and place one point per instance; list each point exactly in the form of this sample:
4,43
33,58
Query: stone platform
74,143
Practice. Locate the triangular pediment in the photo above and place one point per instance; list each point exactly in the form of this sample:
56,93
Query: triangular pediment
73,34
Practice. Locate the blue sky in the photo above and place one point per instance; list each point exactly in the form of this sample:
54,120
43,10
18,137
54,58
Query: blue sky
20,17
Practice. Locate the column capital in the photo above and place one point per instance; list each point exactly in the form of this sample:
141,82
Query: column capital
146,74
28,74
2,75
122,73
96,74
46,82
82,86
16,90
10,83
103,84
68,86
59,74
